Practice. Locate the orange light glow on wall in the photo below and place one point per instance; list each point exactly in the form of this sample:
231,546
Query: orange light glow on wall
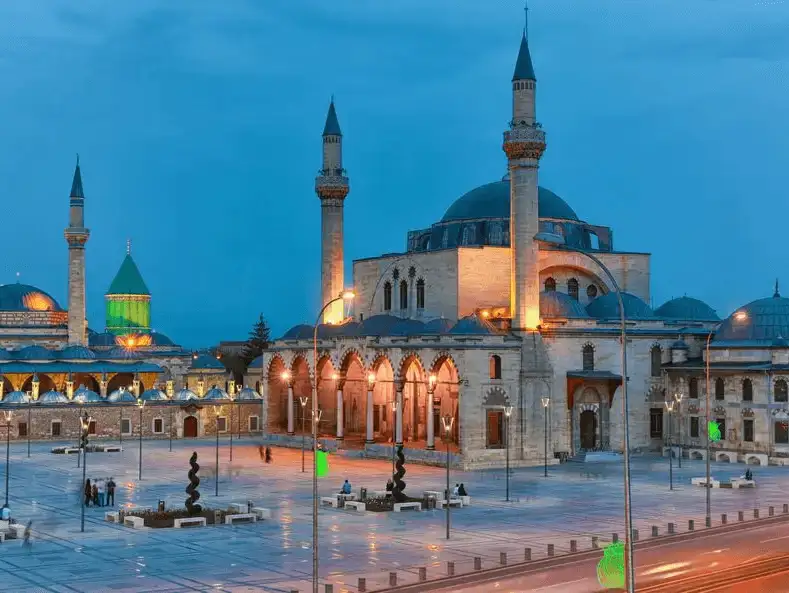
133,340
35,301
532,318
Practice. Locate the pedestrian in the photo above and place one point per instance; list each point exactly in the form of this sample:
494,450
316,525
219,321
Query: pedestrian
28,530
111,492
101,487
262,452
268,454
94,494
88,492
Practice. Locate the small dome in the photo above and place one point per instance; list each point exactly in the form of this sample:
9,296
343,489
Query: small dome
298,332
437,326
6,354
349,329
764,319
687,309
158,339
473,325
378,325
256,363
492,200
206,361
215,393
121,353
248,393
52,397
185,395
680,345
75,353
16,397
121,395
23,297
104,340
559,304
780,342
34,353
607,307
85,395
408,327
150,395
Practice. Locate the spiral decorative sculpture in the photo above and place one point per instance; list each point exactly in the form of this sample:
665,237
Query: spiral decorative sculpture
398,493
191,489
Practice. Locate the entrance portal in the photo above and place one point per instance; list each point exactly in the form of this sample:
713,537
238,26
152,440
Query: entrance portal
588,425
190,427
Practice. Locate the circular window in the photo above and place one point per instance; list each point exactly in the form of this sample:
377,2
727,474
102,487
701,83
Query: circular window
591,291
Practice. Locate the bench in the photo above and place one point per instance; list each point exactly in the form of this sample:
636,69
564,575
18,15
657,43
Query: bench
2,537
332,501
703,482
466,500
112,516
244,517
17,531
404,506
72,450
356,505
239,507
112,448
134,522
134,509
262,513
453,502
189,522
742,483
435,494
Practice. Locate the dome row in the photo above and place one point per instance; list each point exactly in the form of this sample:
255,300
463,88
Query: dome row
68,353
85,395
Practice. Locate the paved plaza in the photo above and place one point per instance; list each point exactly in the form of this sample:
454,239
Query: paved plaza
575,502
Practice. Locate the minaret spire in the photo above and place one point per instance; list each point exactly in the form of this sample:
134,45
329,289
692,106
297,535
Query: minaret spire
526,21
76,236
777,293
128,246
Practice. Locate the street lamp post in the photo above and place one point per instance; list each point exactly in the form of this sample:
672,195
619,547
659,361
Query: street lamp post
171,427
79,415
559,242
670,408
507,413
140,405
84,428
447,421
347,296
303,399
216,466
8,416
678,399
545,403
29,426
394,430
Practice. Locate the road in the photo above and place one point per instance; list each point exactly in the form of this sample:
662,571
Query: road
674,567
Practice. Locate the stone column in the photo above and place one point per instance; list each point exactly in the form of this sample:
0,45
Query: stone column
264,404
291,418
340,419
431,437
369,415
399,418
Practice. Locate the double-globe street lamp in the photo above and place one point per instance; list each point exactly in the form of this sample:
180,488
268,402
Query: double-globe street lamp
507,414
303,399
140,405
558,242
545,403
7,416
84,425
670,408
678,399
447,421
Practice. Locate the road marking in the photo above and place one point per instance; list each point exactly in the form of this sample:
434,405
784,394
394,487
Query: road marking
773,539
666,568
560,585
715,551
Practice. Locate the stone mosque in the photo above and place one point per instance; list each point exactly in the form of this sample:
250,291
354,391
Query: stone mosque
516,340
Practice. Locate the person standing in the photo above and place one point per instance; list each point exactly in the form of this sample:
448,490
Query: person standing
95,493
88,492
100,486
28,530
111,492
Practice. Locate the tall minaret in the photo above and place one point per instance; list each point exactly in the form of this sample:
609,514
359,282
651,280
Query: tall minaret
76,237
332,187
524,144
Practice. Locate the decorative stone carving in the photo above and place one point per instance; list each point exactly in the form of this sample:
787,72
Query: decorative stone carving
496,397
747,413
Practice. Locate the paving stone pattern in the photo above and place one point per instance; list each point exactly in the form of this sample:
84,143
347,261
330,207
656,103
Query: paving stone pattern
575,502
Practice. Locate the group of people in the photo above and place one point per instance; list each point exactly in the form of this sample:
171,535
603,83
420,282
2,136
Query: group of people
101,492
265,454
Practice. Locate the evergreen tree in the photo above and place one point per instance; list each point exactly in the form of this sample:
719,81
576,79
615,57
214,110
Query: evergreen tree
257,342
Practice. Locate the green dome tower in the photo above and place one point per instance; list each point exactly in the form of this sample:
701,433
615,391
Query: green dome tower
128,300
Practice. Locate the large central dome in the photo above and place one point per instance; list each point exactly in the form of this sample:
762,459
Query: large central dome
492,200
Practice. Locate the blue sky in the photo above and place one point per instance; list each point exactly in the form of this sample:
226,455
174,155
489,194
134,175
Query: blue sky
198,124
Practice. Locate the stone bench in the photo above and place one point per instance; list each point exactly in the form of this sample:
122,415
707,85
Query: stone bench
262,513
703,482
112,448
466,501
434,493
404,506
453,502
243,517
17,531
332,501
134,522
189,522
742,483
72,450
112,516
356,505
238,507
136,509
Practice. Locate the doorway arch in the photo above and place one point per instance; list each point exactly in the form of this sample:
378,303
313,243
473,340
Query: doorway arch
190,427
588,430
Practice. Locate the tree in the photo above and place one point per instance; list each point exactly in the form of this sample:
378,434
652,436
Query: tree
257,342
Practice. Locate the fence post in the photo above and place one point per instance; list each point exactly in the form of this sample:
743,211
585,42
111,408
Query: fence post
503,558
422,574
654,531
328,588
671,527
723,519
635,535
771,511
550,550
393,579
450,569
527,554
362,585
573,545
595,545
614,537
786,508
477,563
755,513
741,515
691,524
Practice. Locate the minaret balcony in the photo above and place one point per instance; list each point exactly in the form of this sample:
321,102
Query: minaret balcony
76,237
524,141
331,186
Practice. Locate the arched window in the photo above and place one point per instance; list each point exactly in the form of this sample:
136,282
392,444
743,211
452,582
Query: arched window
420,294
387,296
469,236
588,357
781,391
693,388
656,359
591,291
445,238
495,234
720,389
747,390
550,285
495,367
572,288
403,294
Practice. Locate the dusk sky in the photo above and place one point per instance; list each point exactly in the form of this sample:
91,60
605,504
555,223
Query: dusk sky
198,125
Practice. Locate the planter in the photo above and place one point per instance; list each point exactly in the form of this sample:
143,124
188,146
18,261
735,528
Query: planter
166,519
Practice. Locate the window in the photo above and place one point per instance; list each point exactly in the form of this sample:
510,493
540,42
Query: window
720,388
254,423
572,288
550,285
656,423
55,428
158,426
125,426
420,294
387,296
591,291
403,294
445,239
495,234
495,433
221,424
469,235
693,388
780,391
747,391
747,430
495,367
694,427
22,429
588,357
782,432
92,427
656,359
722,426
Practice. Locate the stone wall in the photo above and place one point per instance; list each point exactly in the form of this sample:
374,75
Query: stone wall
483,278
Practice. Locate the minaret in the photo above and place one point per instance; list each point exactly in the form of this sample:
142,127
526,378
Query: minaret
524,144
331,185
76,237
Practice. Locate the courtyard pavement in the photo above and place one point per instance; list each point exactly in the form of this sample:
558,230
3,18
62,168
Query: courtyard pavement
576,501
